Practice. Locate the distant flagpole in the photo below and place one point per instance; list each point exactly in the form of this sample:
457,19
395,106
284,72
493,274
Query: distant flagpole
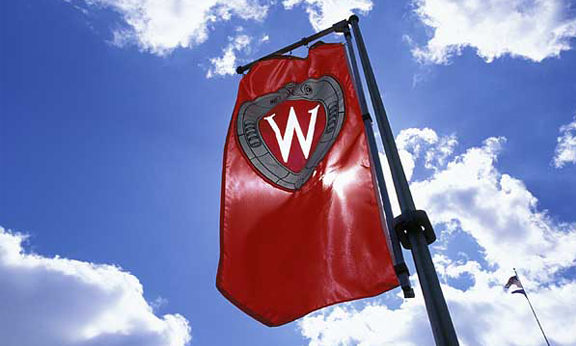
532,308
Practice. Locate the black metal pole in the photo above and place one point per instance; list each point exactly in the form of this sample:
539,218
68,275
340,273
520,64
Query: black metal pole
399,265
413,227
400,183
532,308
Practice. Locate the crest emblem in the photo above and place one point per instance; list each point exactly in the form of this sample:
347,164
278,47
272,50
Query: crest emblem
285,134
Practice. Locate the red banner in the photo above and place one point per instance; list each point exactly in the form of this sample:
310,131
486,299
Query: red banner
300,224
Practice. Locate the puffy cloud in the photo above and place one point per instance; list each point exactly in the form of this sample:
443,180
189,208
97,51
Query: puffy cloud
566,148
226,63
489,222
324,13
160,26
482,315
63,302
371,325
531,29
417,146
413,143
498,211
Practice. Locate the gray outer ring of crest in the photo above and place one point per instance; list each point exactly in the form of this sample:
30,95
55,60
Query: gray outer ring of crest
325,90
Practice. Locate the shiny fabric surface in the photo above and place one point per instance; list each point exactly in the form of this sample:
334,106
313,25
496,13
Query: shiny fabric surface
285,253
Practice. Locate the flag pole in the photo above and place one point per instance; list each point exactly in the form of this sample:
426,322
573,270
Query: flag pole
399,265
413,226
532,308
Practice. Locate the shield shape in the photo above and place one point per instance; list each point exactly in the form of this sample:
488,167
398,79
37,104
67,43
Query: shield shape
285,134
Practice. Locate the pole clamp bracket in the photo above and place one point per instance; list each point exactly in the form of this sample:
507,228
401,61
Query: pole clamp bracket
366,116
341,26
413,221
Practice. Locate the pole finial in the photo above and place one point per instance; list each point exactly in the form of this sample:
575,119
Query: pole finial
240,69
354,18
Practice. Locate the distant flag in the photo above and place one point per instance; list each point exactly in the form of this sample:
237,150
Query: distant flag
514,281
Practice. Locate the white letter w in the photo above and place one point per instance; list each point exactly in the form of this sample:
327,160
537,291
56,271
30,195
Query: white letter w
285,141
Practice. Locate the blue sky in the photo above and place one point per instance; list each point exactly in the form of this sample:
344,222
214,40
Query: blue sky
113,116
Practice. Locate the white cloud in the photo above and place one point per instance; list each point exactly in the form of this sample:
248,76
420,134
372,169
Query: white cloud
482,315
413,142
531,29
62,302
566,148
323,13
417,146
226,64
489,222
371,325
160,26
498,211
